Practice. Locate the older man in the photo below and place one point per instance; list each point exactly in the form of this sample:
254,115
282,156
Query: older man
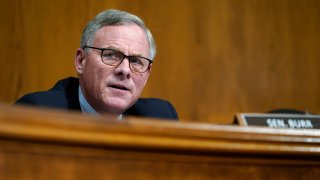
113,65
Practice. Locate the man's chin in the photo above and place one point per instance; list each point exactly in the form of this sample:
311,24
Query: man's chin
117,106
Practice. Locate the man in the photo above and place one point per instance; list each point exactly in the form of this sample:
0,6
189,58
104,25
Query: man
113,66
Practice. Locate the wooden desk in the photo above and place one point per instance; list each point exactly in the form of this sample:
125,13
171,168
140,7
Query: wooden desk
42,144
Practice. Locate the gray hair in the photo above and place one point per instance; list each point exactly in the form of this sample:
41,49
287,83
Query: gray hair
115,17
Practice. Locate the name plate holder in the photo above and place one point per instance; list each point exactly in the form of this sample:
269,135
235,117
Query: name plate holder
296,121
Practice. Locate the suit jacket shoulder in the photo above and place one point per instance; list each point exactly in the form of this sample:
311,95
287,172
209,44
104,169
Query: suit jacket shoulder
153,107
63,95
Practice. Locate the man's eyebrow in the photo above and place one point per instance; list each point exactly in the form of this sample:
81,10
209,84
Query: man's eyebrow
117,49
113,48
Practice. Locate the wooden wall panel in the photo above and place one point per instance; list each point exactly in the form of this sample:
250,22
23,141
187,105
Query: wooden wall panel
215,57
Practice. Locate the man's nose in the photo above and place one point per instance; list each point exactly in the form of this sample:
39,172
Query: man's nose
123,69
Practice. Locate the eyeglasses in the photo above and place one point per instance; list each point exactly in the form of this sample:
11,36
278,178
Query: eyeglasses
114,58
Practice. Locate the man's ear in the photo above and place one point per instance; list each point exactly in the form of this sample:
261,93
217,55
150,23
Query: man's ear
149,71
80,60
150,68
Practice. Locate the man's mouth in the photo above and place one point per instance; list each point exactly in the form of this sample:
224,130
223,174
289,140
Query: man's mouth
119,86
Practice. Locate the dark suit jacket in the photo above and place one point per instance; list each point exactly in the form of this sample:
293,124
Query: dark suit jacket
64,95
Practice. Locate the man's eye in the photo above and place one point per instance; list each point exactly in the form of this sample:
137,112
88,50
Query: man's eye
136,60
110,55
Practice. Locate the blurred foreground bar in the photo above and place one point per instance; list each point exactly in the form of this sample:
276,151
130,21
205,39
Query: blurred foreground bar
46,144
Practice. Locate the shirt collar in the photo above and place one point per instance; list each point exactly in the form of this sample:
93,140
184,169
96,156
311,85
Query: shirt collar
87,108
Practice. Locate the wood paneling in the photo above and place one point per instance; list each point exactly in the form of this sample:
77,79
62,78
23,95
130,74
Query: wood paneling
215,57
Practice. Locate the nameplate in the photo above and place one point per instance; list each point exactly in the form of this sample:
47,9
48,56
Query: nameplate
280,120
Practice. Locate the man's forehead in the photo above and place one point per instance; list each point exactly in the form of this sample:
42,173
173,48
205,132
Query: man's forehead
126,29
123,37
